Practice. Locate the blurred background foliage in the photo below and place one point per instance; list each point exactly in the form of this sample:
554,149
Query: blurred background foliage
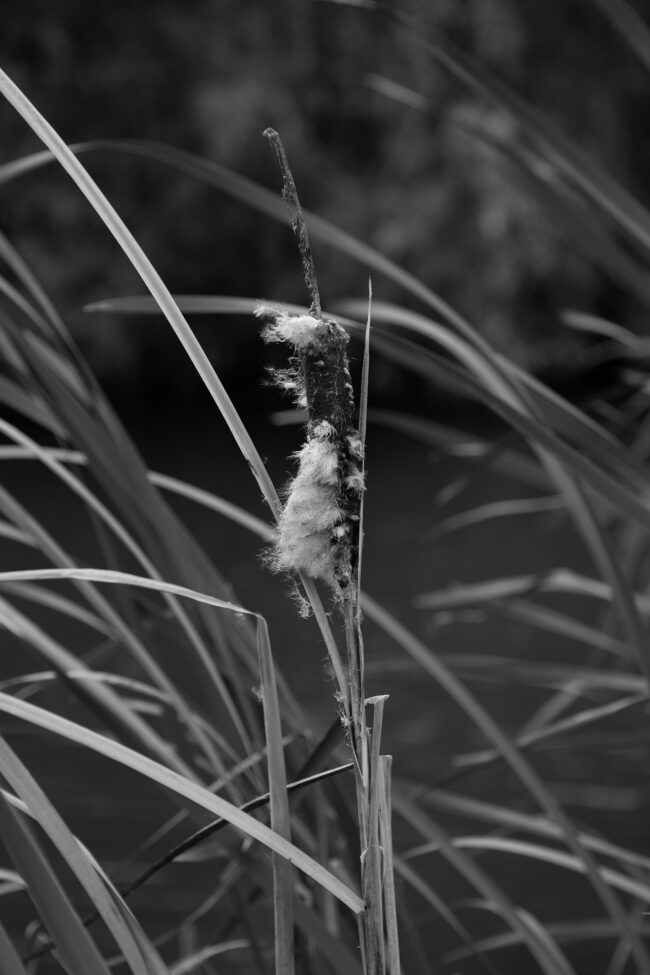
422,186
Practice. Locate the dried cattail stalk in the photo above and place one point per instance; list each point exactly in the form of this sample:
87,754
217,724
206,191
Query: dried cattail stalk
319,527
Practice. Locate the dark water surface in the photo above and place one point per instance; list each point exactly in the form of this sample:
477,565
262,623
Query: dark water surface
422,728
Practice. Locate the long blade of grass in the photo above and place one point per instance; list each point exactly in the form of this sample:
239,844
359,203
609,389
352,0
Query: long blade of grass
150,277
557,580
363,424
203,955
136,949
200,361
505,818
588,931
428,893
496,509
10,963
630,25
116,713
146,660
23,272
562,624
132,545
560,727
560,415
554,455
386,841
279,805
540,944
536,851
582,322
78,952
524,771
578,165
371,866
187,789
263,200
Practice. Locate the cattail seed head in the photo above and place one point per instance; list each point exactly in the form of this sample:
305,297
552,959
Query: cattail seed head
318,528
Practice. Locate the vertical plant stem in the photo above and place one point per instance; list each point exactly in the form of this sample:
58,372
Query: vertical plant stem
320,535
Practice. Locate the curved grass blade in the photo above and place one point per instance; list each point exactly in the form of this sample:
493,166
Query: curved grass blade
137,951
187,789
505,818
629,24
135,549
150,277
574,163
428,893
526,611
561,727
589,931
78,952
512,507
116,712
524,771
536,851
537,939
203,955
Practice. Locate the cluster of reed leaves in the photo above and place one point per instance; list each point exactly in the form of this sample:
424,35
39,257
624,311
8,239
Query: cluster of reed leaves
285,881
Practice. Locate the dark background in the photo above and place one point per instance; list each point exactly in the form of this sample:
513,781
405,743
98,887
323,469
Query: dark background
208,76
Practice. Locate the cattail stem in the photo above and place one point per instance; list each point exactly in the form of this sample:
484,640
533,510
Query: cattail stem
320,535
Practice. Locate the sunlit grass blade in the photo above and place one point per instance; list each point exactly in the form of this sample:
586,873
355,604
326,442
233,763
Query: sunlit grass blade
78,952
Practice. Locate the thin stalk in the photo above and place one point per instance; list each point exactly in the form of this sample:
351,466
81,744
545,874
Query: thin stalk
320,534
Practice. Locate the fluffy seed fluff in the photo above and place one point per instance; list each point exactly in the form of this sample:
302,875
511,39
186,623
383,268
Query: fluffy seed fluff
302,331
319,524
311,513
